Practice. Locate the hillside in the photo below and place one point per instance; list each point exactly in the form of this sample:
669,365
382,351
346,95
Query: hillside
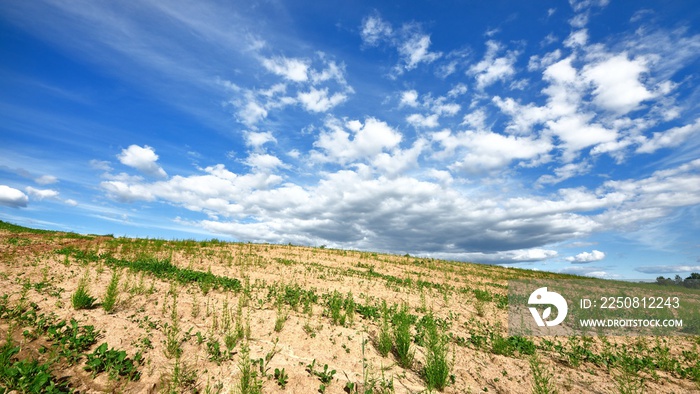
212,316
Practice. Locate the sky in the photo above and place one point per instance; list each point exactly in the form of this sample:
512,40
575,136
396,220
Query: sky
547,135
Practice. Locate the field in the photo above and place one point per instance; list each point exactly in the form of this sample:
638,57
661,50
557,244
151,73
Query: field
104,314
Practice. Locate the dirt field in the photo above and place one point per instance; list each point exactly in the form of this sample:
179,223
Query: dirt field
223,317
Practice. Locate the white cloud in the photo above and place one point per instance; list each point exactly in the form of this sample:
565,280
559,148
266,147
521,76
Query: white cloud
11,197
41,194
668,269
617,86
457,90
409,98
369,139
578,38
125,192
264,162
587,257
290,68
71,202
669,138
374,30
418,120
565,172
576,132
100,165
258,139
504,257
317,100
410,42
415,50
46,180
493,68
143,159
486,151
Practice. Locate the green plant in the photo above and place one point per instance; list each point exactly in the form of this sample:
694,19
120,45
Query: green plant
112,293
384,339
627,379
543,380
172,333
249,382
281,318
81,299
26,376
214,351
69,339
183,379
402,338
114,362
325,376
437,368
281,377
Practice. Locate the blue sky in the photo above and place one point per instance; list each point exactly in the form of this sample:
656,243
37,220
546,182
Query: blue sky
562,136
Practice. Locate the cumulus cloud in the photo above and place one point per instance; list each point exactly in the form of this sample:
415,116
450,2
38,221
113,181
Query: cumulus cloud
11,197
617,85
493,67
418,120
485,151
368,139
372,203
264,162
143,159
409,98
290,68
258,139
587,257
318,100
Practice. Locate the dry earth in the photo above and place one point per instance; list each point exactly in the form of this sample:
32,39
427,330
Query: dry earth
278,281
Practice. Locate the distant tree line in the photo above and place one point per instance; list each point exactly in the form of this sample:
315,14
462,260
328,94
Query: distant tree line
691,282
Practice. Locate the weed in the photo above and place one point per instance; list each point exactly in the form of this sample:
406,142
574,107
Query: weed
437,368
81,299
384,340
249,382
325,376
281,377
543,380
182,379
281,318
402,338
214,351
112,293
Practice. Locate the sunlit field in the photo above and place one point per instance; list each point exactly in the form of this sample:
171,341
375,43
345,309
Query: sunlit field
103,314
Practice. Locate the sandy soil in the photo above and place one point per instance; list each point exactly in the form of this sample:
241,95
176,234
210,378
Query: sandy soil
145,309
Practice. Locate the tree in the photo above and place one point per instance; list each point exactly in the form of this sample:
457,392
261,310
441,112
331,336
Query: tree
693,281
